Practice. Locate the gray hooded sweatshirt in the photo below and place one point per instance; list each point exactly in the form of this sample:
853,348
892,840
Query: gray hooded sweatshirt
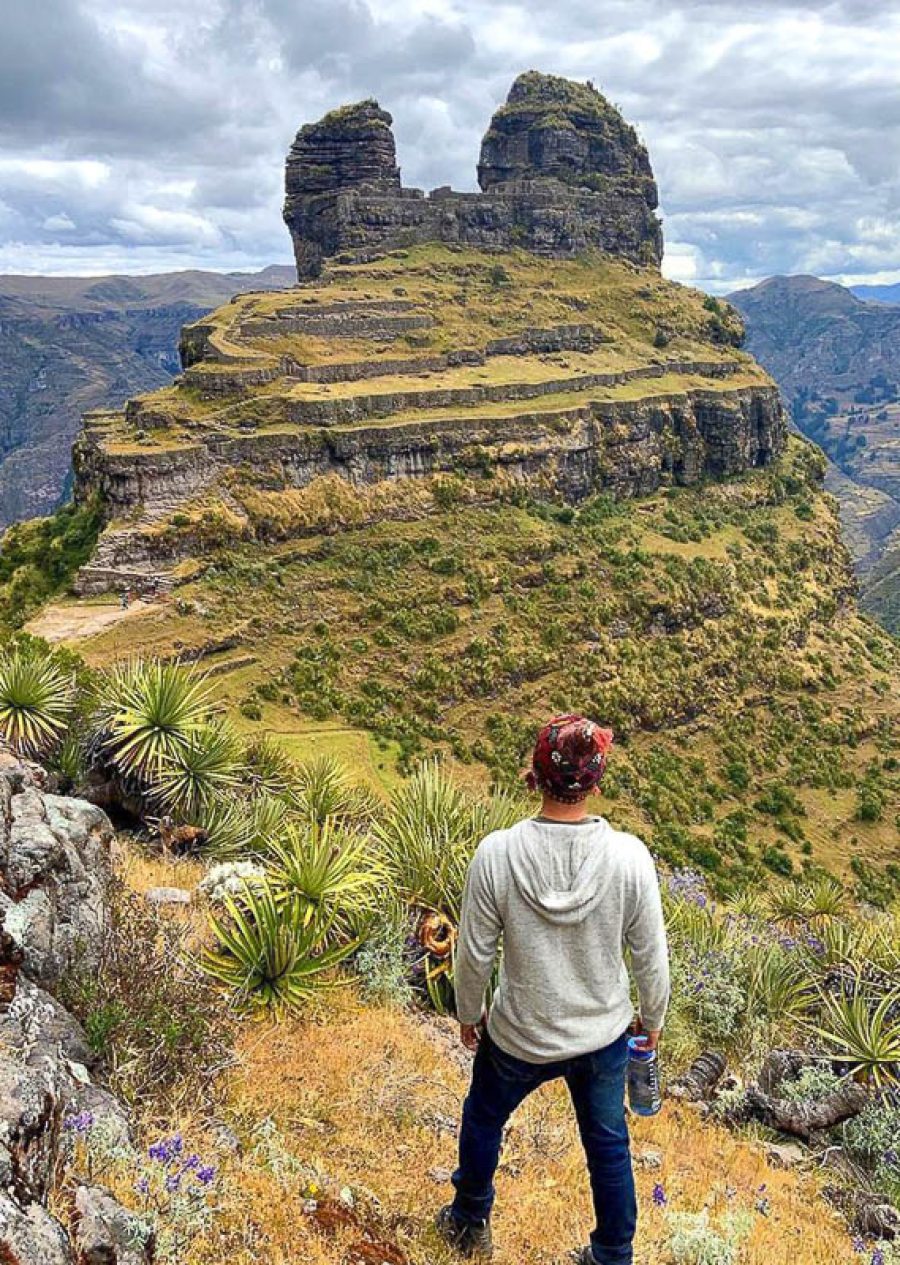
567,899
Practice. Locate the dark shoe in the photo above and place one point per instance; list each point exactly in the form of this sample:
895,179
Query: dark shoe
470,1238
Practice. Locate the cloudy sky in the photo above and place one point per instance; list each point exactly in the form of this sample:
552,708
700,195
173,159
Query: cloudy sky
149,135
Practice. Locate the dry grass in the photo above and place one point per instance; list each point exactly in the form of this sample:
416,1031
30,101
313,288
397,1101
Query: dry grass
366,1099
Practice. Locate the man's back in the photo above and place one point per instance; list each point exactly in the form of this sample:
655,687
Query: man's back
566,897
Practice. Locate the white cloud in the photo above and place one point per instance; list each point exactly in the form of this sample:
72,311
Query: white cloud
154,136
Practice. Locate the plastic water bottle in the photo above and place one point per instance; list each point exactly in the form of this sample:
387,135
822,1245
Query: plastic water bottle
644,1096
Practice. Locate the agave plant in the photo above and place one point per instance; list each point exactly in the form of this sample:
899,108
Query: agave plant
149,714
269,953
322,790
271,771
749,903
788,904
776,985
35,701
698,927
433,829
825,899
329,871
863,1035
204,769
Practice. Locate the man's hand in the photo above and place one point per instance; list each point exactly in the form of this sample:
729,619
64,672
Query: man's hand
649,1037
470,1035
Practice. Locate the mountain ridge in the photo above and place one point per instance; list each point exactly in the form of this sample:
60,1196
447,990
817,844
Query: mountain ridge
69,344
836,357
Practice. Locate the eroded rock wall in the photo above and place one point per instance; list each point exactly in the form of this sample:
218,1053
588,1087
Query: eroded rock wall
560,171
54,871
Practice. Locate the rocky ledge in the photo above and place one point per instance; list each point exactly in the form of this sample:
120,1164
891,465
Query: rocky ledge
560,171
55,870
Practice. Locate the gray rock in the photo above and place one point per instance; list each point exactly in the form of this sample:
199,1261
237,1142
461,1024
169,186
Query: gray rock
168,896
55,859
560,171
784,1155
30,1236
106,1233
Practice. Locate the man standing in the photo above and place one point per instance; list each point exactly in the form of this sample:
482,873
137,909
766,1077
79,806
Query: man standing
568,894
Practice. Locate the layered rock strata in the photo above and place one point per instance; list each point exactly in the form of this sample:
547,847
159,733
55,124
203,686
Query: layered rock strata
560,171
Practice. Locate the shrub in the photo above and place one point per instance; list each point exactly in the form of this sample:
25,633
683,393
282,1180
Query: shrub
383,962
693,1240
271,954
147,1008
36,697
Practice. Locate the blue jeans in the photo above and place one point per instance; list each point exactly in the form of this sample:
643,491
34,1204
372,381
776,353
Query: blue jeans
597,1084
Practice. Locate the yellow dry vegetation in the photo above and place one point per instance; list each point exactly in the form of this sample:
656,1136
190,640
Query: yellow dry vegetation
365,1098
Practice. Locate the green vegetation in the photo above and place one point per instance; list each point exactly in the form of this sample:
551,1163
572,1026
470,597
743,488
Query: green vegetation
35,700
38,559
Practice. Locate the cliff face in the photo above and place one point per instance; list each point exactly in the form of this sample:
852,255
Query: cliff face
391,383
560,170
69,345
837,360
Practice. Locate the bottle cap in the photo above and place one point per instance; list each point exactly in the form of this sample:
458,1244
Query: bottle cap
638,1050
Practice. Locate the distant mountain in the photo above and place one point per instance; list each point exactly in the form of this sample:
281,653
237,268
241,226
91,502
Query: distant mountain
836,358
70,344
878,294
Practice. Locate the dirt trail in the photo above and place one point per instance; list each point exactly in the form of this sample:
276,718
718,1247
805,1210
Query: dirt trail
75,623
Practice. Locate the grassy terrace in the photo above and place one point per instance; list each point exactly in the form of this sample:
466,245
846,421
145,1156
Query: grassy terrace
233,419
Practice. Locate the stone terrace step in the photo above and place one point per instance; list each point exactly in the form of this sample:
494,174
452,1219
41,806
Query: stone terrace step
92,579
374,324
343,410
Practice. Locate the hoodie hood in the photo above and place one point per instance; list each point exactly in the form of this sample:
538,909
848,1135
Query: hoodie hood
561,870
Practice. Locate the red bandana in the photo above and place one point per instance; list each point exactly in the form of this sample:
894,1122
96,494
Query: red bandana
569,758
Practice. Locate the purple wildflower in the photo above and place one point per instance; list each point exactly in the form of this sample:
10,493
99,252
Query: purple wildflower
81,1123
858,1243
192,1162
142,1185
659,1195
206,1175
877,1257
173,1181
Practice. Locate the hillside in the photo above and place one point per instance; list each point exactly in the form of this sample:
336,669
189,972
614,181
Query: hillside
422,558
878,293
69,344
837,360
295,634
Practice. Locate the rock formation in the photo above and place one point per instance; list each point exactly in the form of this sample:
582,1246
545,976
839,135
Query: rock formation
54,869
560,171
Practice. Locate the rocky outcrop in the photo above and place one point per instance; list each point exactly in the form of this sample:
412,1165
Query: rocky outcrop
553,127
55,867
561,171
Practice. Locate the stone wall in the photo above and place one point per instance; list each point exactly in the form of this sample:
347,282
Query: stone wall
560,171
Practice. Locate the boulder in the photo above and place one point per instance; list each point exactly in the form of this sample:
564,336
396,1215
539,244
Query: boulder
55,859
105,1233
30,1236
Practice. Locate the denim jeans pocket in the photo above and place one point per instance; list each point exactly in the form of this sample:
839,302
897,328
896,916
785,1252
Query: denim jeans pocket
610,1062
